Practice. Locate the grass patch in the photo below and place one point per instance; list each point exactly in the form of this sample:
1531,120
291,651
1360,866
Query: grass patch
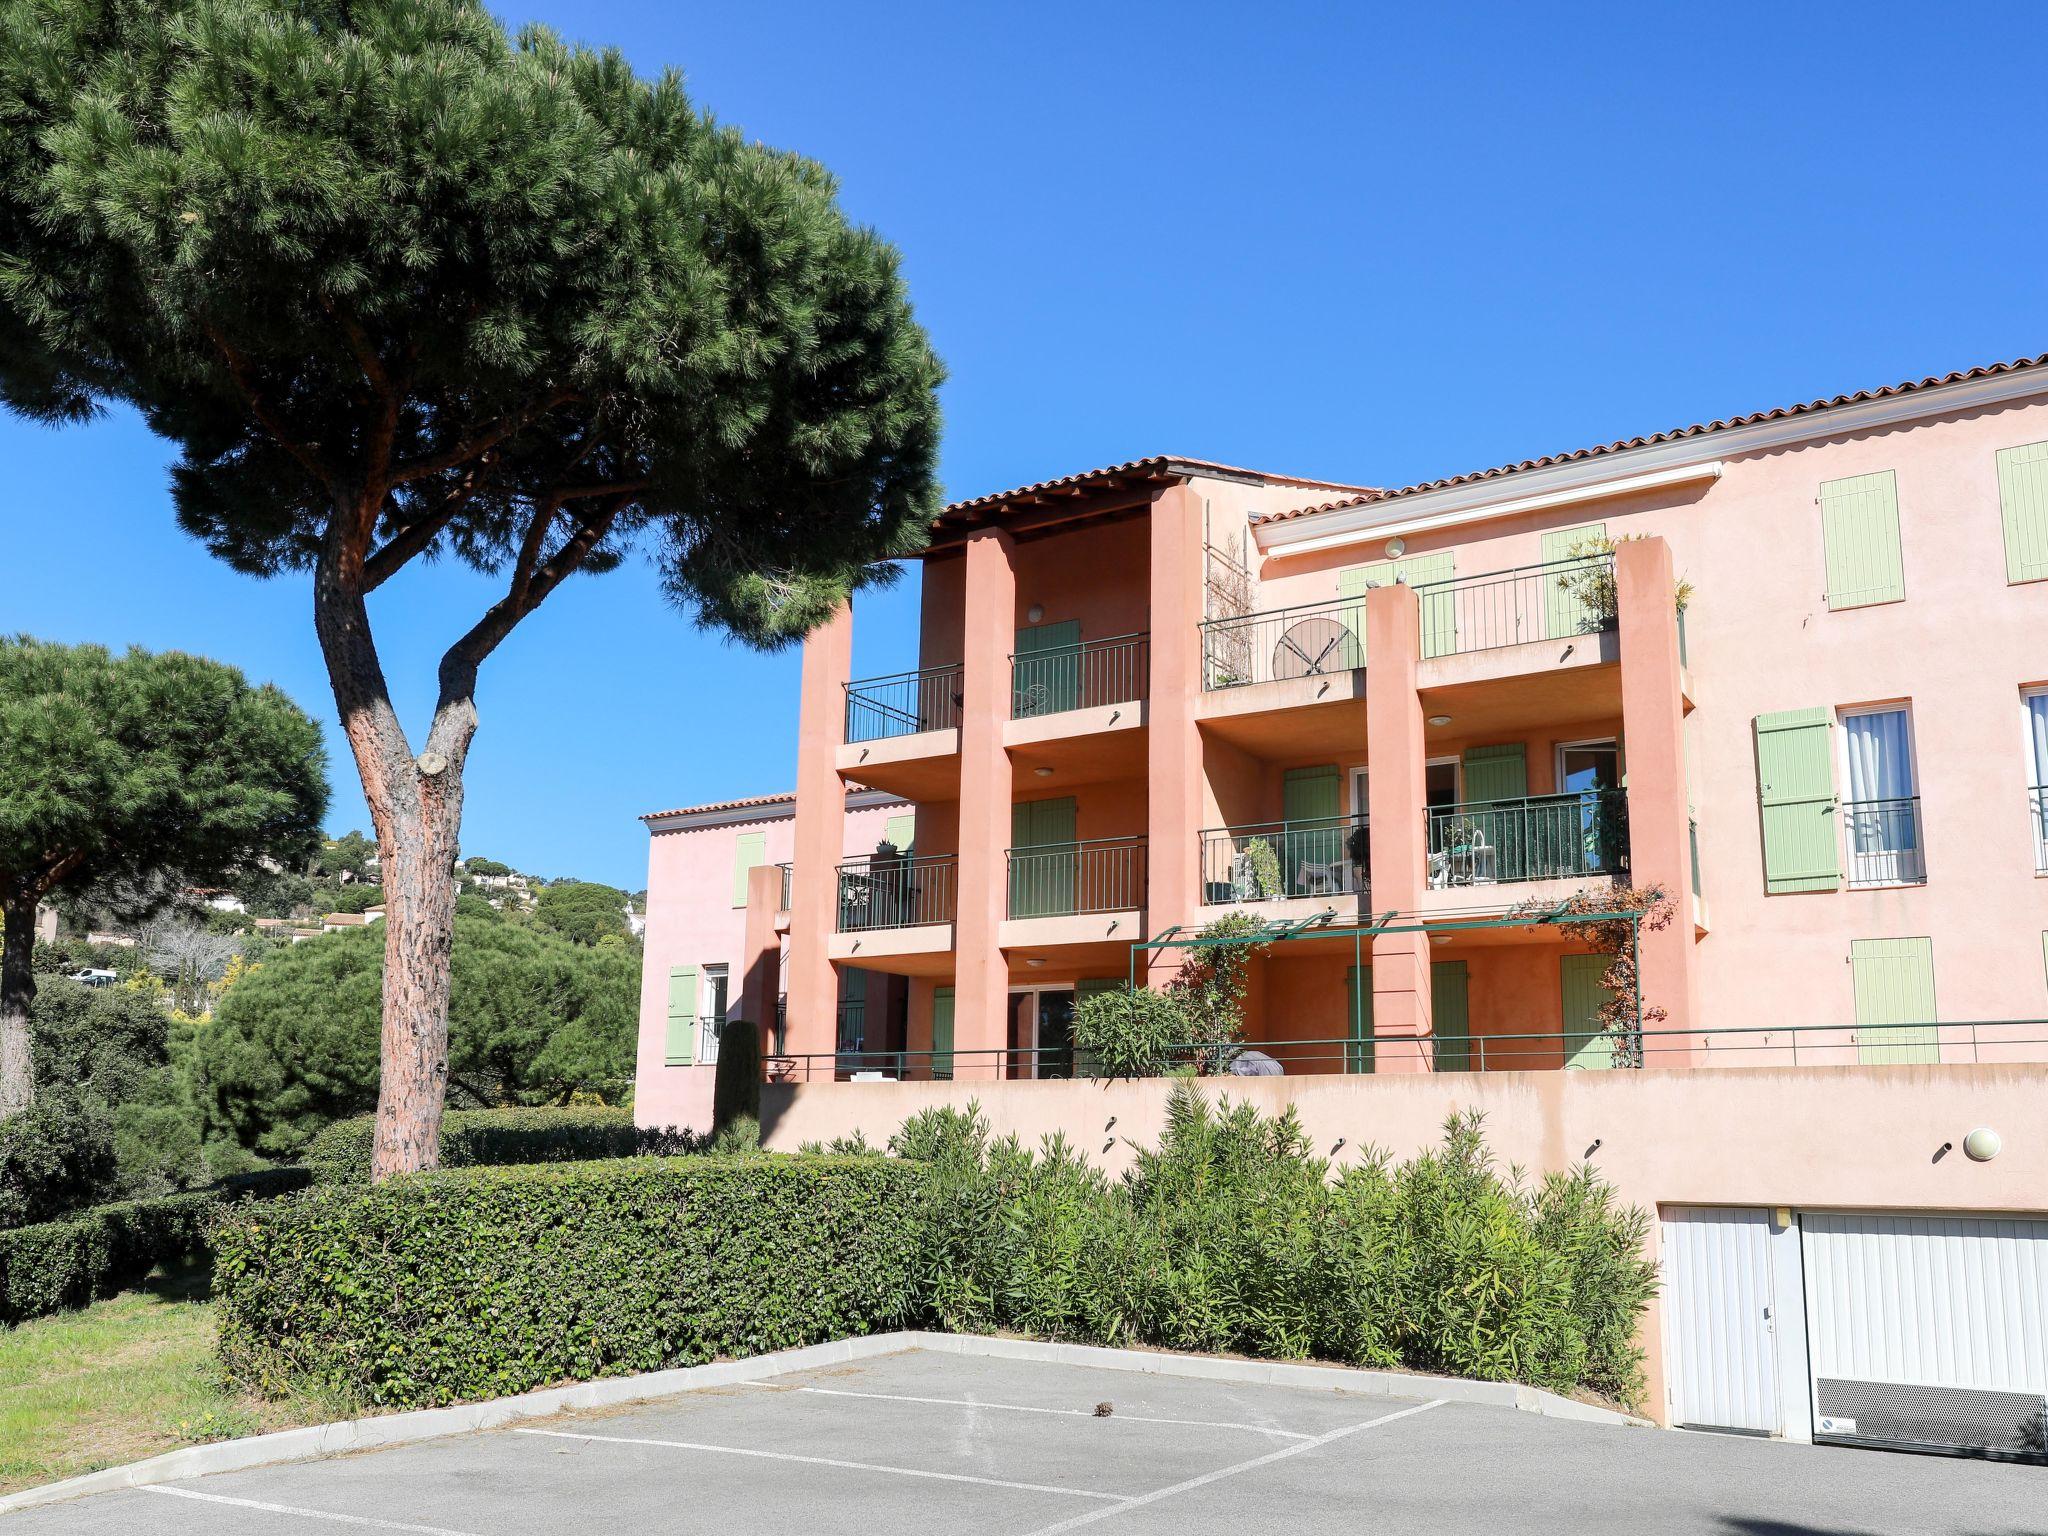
123,1379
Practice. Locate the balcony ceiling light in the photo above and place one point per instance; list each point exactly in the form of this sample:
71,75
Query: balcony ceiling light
1043,773
1439,719
1035,960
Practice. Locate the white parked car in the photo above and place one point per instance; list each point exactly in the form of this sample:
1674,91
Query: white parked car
89,977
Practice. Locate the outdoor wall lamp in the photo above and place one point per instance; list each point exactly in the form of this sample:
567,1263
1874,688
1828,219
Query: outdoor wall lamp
1982,1144
1034,613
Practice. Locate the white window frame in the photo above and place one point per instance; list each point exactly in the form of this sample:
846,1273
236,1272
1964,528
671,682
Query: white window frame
2036,776
708,1023
1361,798
1885,868
1457,765
1558,750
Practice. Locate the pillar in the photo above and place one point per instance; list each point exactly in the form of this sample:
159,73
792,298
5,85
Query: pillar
981,977
1173,806
820,837
1396,787
1653,735
761,958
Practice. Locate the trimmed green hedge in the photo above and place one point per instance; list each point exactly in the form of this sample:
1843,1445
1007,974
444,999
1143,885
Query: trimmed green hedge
450,1286
108,1248
472,1138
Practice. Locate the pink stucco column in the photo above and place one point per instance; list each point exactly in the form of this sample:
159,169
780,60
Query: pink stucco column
761,958
1653,743
1396,790
1173,816
820,836
981,977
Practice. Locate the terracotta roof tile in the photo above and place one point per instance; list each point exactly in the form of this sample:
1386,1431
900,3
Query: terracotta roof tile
1698,429
722,805
1158,465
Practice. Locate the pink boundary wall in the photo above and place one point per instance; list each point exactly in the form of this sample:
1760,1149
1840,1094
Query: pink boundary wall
1831,1137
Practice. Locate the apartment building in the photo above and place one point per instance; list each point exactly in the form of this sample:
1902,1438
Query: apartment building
710,958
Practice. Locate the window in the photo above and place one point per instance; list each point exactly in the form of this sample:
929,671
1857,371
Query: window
1592,771
1859,519
712,1021
749,850
1440,782
1881,816
2034,717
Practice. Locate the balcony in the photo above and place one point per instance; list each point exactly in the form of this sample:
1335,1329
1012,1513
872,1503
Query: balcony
1538,837
1321,857
900,891
903,704
1884,842
1307,640
1553,601
1086,674
1104,874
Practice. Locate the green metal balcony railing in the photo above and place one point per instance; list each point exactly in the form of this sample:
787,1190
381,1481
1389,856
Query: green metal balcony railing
1306,640
1538,837
900,891
903,704
1276,860
1552,601
1083,675
1104,874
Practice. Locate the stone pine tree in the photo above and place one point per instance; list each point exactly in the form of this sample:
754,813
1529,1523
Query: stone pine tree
400,288
135,771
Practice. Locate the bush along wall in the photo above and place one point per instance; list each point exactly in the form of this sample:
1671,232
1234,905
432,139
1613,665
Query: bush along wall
340,1154
108,1248
478,1283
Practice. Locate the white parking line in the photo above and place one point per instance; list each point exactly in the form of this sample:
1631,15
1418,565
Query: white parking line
305,1514
1118,1417
827,1461
1093,1515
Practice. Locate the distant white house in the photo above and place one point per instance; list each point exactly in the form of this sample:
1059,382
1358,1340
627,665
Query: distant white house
118,940
335,922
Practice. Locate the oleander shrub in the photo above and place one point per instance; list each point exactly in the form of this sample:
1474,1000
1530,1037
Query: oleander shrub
478,1282
96,1252
340,1154
1234,1235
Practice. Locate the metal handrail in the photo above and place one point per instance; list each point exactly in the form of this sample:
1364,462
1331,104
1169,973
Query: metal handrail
1081,675
1278,860
788,883
2037,801
1533,837
1100,874
1302,640
1963,1042
903,703
1554,600
1883,841
899,891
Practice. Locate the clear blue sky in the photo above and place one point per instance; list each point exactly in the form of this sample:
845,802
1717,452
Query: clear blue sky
1357,243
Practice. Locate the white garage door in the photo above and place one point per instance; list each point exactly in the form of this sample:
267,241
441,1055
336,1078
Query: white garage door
1720,1348
1928,1331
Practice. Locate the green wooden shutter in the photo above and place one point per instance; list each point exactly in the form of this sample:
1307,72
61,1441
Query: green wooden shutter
1087,1063
1047,677
1497,773
1894,980
1352,582
1583,993
899,832
1311,801
682,1015
1565,609
1451,1014
1439,609
942,1033
1358,1055
1859,520
749,851
1795,782
2023,504
1042,881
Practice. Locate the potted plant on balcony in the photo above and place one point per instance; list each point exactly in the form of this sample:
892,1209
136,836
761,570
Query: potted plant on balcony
1589,581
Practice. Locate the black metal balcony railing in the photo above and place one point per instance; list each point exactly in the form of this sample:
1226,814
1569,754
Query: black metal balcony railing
1306,640
1104,874
1884,841
1275,860
788,877
896,892
903,704
2037,807
1552,601
1538,837
1083,675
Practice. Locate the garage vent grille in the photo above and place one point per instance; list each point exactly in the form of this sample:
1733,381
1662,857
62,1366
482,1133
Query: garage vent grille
2006,1424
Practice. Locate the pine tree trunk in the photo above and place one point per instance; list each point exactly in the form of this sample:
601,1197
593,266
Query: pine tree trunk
17,993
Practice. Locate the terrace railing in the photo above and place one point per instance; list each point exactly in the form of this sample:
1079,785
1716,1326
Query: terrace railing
1104,874
2037,809
1538,837
788,881
1306,640
1884,841
1082,675
1276,860
903,704
903,891
1552,601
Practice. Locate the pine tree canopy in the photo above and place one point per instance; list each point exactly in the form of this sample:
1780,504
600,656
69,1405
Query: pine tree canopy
398,285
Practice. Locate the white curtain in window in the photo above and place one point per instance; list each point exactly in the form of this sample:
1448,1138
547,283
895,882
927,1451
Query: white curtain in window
1880,769
2037,736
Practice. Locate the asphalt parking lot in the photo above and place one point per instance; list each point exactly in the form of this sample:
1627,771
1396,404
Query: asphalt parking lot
926,1443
